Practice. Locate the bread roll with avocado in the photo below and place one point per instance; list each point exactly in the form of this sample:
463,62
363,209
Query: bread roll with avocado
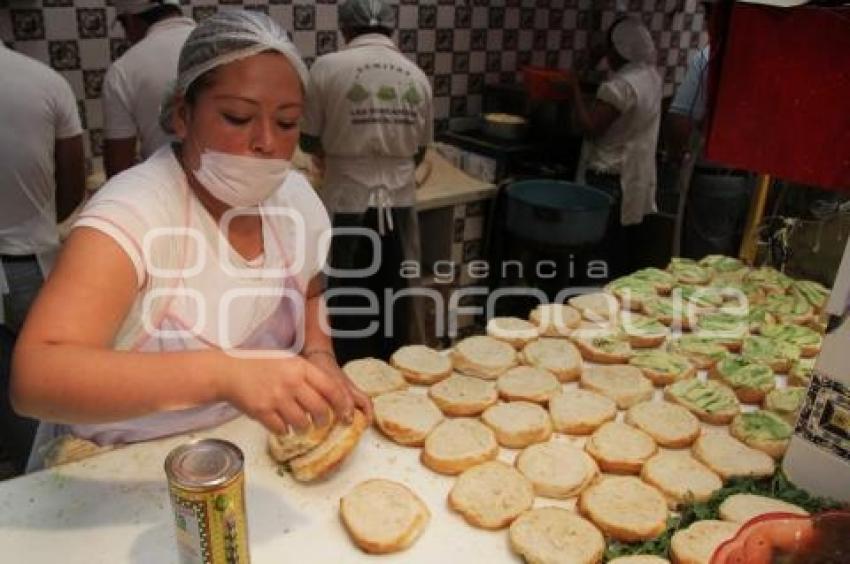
774,353
808,340
785,402
631,291
751,382
789,308
725,328
722,263
663,367
610,349
704,353
668,311
762,430
661,280
711,401
813,292
644,332
800,372
773,281
687,271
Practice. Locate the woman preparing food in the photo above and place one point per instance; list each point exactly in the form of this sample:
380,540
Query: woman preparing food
188,290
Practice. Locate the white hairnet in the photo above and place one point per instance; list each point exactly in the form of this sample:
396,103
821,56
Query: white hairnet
366,13
633,41
223,38
132,7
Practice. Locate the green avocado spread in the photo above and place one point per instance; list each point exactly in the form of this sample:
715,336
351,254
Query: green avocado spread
764,425
707,396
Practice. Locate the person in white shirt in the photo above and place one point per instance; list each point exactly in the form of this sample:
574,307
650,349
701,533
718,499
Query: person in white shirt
621,128
369,116
42,175
135,84
187,291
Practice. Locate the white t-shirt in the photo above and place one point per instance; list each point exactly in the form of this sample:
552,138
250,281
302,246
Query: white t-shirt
38,107
628,146
372,108
172,241
135,84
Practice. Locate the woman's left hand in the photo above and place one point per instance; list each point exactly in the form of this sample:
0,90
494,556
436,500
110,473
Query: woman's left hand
328,364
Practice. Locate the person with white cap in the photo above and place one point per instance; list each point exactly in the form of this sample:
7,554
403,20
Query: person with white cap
136,82
621,127
369,116
187,290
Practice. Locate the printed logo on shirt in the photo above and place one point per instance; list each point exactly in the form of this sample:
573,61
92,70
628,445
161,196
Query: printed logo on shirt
395,100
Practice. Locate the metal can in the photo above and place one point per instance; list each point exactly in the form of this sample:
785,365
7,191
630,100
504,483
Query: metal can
206,483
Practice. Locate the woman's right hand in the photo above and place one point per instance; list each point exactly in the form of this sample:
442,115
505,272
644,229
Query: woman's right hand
281,393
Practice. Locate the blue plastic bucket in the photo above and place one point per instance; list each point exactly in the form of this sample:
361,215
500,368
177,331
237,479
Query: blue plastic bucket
555,212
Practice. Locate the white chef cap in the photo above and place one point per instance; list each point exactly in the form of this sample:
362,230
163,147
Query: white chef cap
632,41
225,37
133,7
355,14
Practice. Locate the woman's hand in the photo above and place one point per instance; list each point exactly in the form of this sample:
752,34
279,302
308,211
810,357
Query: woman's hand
326,362
286,393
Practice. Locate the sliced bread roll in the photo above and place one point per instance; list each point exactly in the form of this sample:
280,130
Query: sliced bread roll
740,508
558,356
555,320
527,383
762,430
663,367
702,352
286,447
661,280
491,495
680,477
457,444
631,291
609,349
421,365
625,508
624,384
513,330
729,457
644,332
786,402
777,354
668,424
556,535
374,376
382,517
620,448
557,469
65,449
483,357
518,424
808,340
668,311
580,412
597,306
750,381
405,417
711,401
697,543
460,395
326,457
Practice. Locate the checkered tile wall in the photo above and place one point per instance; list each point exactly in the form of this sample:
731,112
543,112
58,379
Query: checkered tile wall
461,44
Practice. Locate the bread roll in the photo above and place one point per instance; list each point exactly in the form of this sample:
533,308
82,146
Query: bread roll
556,535
625,508
556,469
670,425
405,417
460,395
611,349
597,306
374,376
491,495
750,381
326,457
527,383
662,367
702,352
624,384
711,401
773,352
808,340
740,508
580,412
421,365
762,430
483,357
558,356
555,320
643,331
382,517
620,448
457,444
287,446
518,424
680,477
697,543
729,457
513,330
786,402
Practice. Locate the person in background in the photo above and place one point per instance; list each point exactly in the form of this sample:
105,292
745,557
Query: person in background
369,116
621,131
42,176
135,84
42,180
186,292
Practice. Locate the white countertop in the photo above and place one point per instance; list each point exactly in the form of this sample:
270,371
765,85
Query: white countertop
114,508
442,184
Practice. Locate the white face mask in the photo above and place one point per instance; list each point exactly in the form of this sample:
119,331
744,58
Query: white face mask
240,181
